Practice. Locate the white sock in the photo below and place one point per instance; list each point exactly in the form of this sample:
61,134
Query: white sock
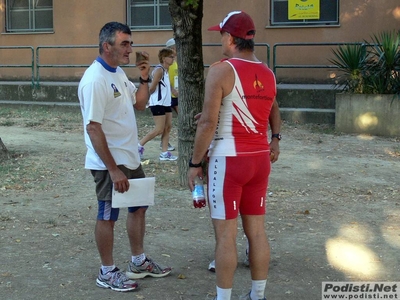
258,289
223,294
106,269
138,260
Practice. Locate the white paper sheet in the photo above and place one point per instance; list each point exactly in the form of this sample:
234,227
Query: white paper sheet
140,193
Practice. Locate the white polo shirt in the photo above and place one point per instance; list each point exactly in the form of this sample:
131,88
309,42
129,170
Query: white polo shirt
107,96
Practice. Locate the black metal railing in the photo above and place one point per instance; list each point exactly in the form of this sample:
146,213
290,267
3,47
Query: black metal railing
276,66
30,65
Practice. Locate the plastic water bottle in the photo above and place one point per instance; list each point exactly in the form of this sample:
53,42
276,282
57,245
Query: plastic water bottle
199,200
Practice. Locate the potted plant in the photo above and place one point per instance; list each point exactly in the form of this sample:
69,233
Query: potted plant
369,80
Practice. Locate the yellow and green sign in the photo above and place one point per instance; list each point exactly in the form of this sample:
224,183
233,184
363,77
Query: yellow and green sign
303,9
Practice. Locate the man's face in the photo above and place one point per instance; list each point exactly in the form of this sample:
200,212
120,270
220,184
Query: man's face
225,41
121,49
174,49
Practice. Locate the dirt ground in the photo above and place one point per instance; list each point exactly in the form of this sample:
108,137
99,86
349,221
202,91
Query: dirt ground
333,215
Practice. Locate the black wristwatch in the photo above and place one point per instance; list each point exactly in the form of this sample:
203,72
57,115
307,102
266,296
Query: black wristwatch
142,81
276,135
192,165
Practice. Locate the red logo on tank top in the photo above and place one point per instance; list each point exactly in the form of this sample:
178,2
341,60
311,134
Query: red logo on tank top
258,86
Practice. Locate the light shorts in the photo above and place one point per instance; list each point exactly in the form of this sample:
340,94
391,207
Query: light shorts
238,185
104,186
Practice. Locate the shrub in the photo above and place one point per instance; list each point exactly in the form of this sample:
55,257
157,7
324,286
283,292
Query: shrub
370,67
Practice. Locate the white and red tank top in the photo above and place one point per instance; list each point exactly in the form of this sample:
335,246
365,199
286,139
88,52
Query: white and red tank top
243,117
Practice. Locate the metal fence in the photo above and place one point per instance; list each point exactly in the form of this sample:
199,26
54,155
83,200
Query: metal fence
40,66
277,48
31,65
276,66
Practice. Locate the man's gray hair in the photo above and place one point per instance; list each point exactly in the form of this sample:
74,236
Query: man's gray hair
107,33
242,44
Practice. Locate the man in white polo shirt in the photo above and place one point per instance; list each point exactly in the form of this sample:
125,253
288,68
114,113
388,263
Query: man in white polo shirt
107,100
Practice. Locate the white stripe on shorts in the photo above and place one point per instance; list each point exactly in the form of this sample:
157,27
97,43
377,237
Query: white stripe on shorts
216,177
107,211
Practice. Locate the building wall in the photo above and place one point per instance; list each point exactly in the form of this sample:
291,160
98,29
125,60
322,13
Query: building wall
78,23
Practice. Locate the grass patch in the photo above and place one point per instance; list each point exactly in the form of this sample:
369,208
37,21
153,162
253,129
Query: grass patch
25,171
396,151
51,222
313,128
4,218
322,128
54,118
22,171
7,123
18,171
166,173
325,129
60,118
33,123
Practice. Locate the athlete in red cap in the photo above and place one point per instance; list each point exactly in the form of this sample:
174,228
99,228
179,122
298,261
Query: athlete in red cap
239,107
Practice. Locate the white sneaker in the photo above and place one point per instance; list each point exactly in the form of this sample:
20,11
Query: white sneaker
246,261
170,147
168,156
115,280
211,266
141,151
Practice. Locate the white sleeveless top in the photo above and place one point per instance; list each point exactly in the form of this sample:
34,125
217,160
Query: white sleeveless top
162,93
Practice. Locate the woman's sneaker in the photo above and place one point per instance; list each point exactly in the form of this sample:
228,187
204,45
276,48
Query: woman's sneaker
115,280
246,259
170,147
141,151
211,266
168,156
148,268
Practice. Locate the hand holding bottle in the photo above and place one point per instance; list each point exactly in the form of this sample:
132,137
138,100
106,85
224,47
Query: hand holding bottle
199,199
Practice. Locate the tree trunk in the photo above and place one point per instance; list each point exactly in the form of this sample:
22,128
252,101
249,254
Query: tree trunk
3,149
186,23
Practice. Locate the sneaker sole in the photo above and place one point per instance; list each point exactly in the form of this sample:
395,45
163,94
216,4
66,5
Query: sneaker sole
107,286
168,159
169,149
132,275
211,267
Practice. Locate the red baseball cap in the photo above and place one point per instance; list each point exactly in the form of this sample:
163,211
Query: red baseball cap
238,24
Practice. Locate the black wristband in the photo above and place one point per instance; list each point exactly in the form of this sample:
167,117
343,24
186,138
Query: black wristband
276,135
192,165
143,81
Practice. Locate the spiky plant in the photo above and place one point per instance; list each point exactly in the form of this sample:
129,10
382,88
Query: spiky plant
350,60
370,67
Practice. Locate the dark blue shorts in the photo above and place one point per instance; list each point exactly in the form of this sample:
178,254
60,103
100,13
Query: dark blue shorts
104,186
174,102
